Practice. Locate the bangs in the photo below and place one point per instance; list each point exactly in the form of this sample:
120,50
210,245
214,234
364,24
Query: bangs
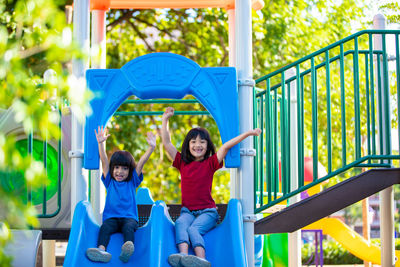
192,134
120,159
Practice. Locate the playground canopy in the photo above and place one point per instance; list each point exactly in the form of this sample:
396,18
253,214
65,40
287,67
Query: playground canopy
150,4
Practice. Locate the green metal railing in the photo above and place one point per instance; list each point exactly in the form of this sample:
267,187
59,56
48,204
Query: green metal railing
58,179
331,106
160,101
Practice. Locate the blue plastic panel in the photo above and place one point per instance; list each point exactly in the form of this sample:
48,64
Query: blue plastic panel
155,241
163,75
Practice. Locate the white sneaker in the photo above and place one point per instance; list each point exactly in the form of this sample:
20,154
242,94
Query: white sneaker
175,259
126,251
194,261
98,255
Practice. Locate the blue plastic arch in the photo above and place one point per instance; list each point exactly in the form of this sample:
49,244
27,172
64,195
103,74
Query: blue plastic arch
163,75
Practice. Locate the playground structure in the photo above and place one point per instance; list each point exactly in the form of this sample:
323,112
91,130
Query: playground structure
266,186
155,239
53,214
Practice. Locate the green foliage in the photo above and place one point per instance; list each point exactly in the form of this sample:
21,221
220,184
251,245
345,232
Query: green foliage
334,253
34,37
392,12
128,132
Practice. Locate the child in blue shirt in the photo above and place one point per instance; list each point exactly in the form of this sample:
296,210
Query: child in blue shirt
121,176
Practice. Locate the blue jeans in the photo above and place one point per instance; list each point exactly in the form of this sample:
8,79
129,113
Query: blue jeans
192,225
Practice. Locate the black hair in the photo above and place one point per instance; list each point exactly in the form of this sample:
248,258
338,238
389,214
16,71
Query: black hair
187,157
122,158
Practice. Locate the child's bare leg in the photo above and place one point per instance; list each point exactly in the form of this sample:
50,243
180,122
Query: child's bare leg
102,247
175,259
200,252
183,248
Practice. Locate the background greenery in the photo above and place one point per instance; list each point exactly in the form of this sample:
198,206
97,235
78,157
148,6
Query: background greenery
35,36
334,253
282,32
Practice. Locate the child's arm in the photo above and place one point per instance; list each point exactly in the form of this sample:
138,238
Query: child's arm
151,140
101,136
165,135
221,153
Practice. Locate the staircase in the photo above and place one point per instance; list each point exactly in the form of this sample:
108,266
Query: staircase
339,105
335,198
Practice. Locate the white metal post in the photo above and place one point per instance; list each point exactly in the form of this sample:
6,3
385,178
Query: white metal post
234,182
294,245
386,196
81,35
98,61
98,44
244,68
231,33
49,246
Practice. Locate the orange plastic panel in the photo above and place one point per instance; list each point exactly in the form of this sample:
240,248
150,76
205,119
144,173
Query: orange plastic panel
151,4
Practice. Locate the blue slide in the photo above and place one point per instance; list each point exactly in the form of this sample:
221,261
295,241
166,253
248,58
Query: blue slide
155,240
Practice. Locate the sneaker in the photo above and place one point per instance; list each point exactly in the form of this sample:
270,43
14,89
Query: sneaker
175,259
126,251
194,261
98,255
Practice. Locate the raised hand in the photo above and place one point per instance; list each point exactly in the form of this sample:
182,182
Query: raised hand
169,112
255,132
101,134
151,139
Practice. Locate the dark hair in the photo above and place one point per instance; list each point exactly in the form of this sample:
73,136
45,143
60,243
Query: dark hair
187,157
122,158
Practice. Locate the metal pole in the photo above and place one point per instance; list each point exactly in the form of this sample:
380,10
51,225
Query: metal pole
294,238
98,49
49,253
234,173
81,35
98,61
49,246
386,196
366,223
246,84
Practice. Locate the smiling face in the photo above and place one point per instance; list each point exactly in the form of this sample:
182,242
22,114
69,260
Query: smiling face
120,173
198,148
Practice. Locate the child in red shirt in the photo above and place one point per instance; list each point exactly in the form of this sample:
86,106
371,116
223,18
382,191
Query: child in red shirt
197,164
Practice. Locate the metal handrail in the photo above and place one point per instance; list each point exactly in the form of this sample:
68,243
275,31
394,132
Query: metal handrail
334,81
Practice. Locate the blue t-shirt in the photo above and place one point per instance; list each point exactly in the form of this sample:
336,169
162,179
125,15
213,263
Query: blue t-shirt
120,199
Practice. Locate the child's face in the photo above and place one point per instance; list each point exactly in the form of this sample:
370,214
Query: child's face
198,148
120,173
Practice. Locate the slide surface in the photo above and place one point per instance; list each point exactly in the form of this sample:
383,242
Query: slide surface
155,240
350,240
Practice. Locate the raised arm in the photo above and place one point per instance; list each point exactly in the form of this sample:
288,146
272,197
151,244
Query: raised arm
221,153
165,135
151,140
101,136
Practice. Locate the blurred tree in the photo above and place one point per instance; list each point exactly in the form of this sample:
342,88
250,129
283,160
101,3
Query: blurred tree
34,37
392,11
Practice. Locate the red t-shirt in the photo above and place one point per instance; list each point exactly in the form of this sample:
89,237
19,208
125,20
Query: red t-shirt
196,181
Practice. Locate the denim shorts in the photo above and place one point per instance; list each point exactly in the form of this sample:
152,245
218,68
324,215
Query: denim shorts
192,225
